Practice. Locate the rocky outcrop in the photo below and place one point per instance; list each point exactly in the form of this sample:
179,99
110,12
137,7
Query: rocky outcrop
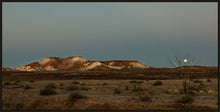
78,63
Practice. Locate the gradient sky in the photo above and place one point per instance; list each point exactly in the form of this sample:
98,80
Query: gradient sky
148,32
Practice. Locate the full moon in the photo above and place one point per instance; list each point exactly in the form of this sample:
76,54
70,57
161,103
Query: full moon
185,60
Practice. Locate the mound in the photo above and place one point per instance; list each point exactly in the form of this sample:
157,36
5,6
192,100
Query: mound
79,63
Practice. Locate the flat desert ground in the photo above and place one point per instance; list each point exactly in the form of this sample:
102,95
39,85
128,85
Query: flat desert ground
110,94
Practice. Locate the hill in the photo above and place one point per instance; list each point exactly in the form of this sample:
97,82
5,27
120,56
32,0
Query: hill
79,63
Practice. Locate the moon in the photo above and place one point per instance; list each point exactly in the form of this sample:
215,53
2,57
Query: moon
185,60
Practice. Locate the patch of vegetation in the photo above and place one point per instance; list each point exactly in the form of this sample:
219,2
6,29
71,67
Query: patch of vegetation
75,82
47,91
105,84
72,88
31,81
16,87
147,80
83,84
19,106
7,83
158,83
192,88
27,87
190,79
137,89
167,92
22,86
51,85
198,88
62,88
145,98
201,88
126,88
117,91
17,81
185,100
133,81
208,80
75,96
61,84
150,91
201,84
139,82
84,88
197,81
192,93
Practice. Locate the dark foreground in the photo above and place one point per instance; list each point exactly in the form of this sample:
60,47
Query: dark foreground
112,90
152,73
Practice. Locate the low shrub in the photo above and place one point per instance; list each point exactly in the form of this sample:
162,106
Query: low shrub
181,91
158,83
83,84
19,106
136,89
192,93
208,80
61,84
126,88
47,91
168,91
192,88
16,87
31,81
75,96
198,88
84,88
197,81
7,83
201,88
133,81
201,84
150,91
172,91
139,82
185,100
62,88
72,88
105,84
51,85
145,98
75,82
27,87
15,83
116,91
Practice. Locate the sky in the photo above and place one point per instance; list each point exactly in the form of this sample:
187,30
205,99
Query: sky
148,32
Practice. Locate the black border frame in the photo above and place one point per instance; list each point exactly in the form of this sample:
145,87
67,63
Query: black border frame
108,1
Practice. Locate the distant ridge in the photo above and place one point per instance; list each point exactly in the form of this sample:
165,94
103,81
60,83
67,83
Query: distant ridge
79,63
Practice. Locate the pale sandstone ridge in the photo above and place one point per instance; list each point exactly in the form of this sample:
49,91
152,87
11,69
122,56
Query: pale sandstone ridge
78,63
125,64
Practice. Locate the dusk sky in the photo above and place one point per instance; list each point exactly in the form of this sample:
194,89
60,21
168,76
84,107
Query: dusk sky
150,33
